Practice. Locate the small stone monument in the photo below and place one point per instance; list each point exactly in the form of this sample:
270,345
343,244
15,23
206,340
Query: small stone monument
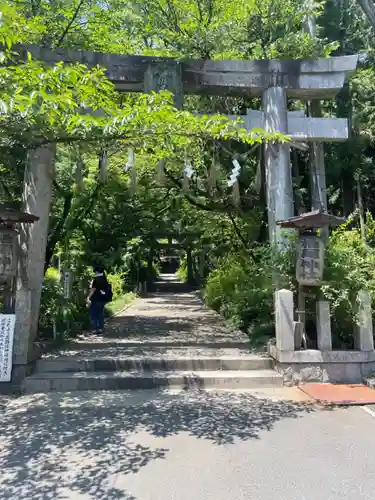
67,276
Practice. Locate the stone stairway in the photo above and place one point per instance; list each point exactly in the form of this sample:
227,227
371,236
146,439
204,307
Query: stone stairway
129,368
165,340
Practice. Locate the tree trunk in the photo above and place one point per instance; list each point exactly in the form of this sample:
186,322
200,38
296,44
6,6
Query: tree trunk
58,232
368,8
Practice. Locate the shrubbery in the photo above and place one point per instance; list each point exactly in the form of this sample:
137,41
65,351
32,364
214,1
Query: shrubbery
350,267
135,263
182,271
117,283
241,289
59,316
51,301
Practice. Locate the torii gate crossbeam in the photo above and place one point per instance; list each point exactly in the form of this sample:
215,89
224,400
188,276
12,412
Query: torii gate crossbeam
301,79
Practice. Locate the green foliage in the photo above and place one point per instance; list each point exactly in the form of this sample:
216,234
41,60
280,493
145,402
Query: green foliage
182,271
119,304
59,316
350,267
117,283
96,222
135,265
216,29
241,289
52,298
62,317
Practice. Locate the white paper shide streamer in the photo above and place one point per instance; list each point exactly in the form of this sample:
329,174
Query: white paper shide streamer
212,175
130,167
130,162
188,174
233,182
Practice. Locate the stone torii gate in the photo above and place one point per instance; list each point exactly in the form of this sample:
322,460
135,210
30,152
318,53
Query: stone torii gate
274,81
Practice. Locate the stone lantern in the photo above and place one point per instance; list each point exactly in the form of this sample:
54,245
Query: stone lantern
310,268
9,217
310,249
320,362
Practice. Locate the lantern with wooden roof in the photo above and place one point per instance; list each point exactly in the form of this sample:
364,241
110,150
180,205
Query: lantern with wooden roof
310,254
9,218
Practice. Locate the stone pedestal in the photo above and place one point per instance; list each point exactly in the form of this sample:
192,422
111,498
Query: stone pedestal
37,194
341,367
322,364
284,318
363,332
277,164
323,325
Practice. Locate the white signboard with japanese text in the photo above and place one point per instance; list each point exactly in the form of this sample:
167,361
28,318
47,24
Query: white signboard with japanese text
7,324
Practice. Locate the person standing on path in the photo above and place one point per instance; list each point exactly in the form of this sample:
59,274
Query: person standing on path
100,293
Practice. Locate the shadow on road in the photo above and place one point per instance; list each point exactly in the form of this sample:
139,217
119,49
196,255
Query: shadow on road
68,446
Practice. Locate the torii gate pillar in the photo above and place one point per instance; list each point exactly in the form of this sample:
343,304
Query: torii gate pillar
277,164
37,195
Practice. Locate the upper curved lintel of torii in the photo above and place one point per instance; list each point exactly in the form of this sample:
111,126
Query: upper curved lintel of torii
315,78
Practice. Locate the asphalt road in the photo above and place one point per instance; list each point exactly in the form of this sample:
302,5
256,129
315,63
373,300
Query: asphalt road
158,446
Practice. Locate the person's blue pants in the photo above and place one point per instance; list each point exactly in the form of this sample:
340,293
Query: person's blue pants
97,315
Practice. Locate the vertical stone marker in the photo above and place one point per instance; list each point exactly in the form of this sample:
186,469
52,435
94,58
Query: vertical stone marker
363,334
37,195
284,320
323,325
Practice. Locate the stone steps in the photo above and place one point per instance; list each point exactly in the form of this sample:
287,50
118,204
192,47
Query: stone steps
146,367
87,344
114,364
84,381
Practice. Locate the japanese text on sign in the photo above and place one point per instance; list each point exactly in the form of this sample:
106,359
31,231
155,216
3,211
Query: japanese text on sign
7,324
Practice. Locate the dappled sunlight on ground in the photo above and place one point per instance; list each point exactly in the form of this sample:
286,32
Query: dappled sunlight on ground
167,317
56,446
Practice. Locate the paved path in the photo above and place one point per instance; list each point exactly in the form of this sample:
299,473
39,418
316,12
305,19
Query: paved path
158,445
168,317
